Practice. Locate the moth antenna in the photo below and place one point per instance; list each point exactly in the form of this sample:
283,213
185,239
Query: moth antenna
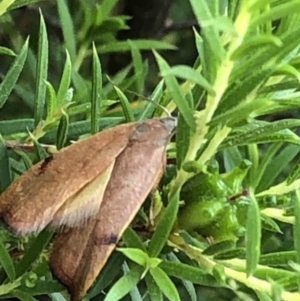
150,100
144,97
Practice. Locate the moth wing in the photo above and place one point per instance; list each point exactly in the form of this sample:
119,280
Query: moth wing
83,204
137,169
29,204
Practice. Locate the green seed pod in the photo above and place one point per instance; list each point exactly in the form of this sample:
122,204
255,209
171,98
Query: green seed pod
234,178
200,214
203,186
225,228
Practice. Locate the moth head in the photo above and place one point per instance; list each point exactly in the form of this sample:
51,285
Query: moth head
170,123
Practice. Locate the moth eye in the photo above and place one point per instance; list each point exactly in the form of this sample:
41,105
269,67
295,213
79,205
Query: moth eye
139,131
143,127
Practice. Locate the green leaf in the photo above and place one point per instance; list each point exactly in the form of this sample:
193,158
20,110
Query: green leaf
219,273
41,74
9,127
208,62
163,228
136,255
52,101
138,67
269,224
106,7
263,296
279,162
7,51
25,158
5,178
204,16
20,3
256,41
297,225
239,91
17,166
132,239
241,112
153,289
176,92
253,236
117,80
294,174
165,284
62,131
276,12
33,252
44,287
22,295
64,82
81,127
190,74
107,275
188,272
265,163
67,28
264,132
128,113
190,288
219,247
13,74
125,284
267,55
7,263
151,106
96,92
278,258
80,85
231,254
140,44
40,151
183,136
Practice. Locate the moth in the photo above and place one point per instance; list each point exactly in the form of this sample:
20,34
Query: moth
80,188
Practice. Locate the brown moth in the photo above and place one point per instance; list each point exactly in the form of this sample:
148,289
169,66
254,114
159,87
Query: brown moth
93,188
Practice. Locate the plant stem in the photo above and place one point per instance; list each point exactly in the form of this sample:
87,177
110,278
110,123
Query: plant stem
221,83
251,282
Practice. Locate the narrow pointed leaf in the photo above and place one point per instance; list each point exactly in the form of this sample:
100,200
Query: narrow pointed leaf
176,92
253,236
165,284
136,255
128,113
13,74
163,228
34,251
7,263
62,131
96,92
125,284
132,239
5,178
153,289
64,82
42,71
297,225
67,28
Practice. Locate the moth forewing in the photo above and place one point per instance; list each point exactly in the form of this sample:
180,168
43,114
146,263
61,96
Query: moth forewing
30,203
84,204
137,170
